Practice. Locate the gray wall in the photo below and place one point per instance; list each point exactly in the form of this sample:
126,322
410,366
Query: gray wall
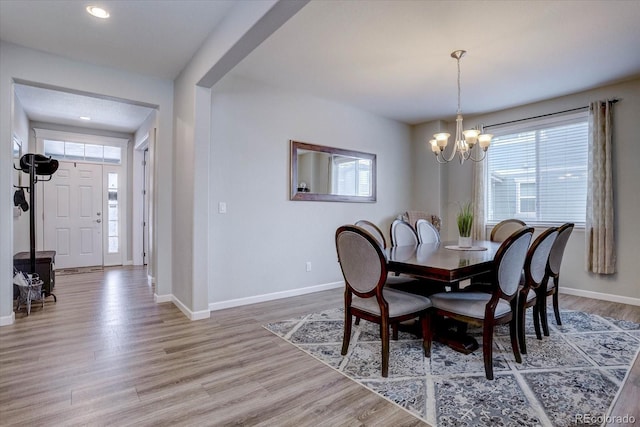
260,246
626,164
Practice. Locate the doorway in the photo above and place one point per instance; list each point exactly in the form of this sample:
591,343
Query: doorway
72,221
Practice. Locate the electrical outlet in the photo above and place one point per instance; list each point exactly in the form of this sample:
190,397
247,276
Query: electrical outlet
308,265
222,207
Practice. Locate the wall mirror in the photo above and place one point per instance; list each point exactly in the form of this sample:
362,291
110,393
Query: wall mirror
332,174
17,153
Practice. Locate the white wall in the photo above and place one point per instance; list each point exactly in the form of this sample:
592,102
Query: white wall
21,223
18,63
626,165
261,244
245,27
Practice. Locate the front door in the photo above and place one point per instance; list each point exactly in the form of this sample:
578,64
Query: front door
72,217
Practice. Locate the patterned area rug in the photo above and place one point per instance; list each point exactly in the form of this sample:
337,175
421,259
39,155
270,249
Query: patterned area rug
571,376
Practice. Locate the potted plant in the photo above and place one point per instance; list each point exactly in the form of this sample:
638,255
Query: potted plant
465,220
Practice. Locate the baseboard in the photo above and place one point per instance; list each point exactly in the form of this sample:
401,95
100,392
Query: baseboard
600,296
162,298
191,315
214,306
8,320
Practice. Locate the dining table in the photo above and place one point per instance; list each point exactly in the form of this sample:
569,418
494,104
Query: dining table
449,264
443,261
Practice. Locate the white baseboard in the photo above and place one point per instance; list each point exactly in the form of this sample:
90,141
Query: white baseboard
8,320
162,298
214,306
191,315
600,296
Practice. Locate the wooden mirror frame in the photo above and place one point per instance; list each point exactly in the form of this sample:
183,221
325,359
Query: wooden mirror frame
299,195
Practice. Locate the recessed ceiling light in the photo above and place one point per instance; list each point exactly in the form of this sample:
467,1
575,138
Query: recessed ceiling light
85,118
98,12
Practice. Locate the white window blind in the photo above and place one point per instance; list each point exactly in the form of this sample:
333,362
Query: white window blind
537,170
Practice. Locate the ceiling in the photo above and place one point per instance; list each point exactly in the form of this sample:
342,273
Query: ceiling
388,57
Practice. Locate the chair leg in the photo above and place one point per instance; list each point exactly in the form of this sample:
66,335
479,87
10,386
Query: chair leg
347,332
520,325
543,315
384,335
536,318
425,322
556,303
357,320
394,330
514,340
487,349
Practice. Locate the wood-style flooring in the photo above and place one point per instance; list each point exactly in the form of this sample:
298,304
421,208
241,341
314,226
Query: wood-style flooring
106,354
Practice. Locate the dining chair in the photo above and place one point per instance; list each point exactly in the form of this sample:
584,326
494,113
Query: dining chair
488,310
374,230
364,267
426,231
505,228
553,272
403,234
393,280
535,274
499,233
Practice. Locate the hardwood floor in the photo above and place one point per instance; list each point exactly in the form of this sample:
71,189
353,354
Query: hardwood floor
105,353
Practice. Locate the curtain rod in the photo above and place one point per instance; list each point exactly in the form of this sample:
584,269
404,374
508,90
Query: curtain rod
612,101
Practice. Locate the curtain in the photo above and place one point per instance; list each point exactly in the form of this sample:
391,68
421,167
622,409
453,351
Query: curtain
478,199
599,223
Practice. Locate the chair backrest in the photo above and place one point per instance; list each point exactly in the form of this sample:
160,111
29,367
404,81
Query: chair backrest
402,233
509,261
535,266
374,230
505,228
555,258
427,233
363,263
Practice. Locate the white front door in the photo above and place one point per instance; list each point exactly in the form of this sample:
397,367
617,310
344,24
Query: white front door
73,215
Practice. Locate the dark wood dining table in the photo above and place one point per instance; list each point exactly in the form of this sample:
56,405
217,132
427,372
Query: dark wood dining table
434,261
440,265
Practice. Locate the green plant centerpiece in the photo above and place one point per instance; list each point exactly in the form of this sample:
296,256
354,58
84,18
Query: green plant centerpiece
465,221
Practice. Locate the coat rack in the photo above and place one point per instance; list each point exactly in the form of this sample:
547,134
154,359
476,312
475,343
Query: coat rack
36,165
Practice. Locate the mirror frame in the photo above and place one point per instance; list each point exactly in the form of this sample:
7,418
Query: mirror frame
298,195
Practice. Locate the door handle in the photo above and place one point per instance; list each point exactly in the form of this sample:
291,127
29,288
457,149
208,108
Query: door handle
98,220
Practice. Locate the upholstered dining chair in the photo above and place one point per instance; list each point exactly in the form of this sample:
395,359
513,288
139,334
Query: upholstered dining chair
364,267
535,274
426,231
499,233
489,310
505,228
403,234
374,230
553,272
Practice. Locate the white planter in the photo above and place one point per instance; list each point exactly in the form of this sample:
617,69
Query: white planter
465,242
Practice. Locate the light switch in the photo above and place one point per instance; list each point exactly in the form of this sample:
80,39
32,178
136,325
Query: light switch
222,207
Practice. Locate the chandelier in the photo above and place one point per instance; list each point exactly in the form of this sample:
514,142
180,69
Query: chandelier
464,140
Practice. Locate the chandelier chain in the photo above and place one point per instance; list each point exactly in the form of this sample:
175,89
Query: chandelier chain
459,90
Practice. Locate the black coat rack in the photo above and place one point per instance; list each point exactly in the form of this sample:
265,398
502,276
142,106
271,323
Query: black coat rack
36,165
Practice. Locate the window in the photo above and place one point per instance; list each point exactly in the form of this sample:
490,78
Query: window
537,171
112,213
351,176
77,151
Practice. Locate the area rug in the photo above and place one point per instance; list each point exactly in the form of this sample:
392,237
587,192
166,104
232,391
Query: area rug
79,270
568,378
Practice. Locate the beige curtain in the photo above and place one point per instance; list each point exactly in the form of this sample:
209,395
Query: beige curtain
599,227
478,198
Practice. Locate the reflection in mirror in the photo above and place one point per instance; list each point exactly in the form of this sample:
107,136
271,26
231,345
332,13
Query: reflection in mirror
17,153
332,174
